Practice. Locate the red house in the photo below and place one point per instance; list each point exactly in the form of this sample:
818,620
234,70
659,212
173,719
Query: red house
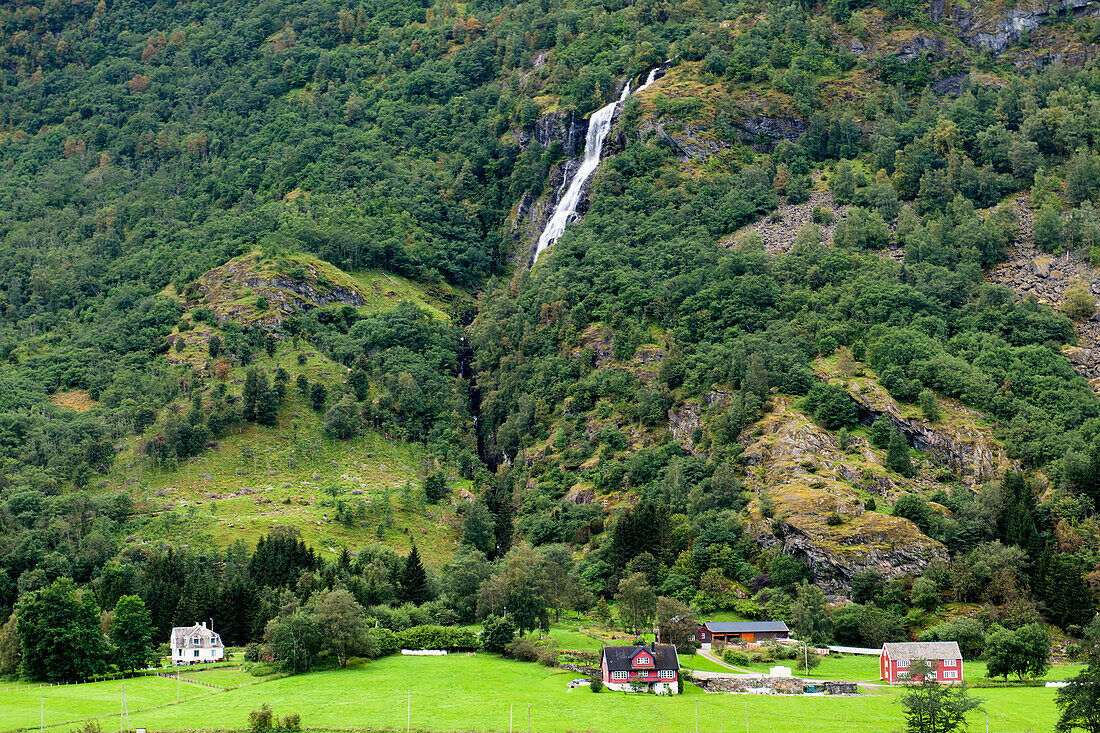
942,656
652,668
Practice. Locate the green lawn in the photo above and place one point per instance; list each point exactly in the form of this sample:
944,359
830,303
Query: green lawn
477,693
21,706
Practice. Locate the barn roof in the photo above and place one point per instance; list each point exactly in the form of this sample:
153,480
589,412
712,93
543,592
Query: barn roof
745,627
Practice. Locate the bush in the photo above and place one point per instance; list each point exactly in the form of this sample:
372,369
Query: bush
252,652
834,520
438,637
497,634
822,216
736,657
595,683
548,657
812,659
522,650
386,640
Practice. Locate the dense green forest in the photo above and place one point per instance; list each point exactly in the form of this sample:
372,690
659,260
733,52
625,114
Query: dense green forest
146,143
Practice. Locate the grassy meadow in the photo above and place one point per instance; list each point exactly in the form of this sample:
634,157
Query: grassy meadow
478,693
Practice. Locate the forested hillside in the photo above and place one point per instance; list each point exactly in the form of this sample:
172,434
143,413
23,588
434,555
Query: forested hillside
270,321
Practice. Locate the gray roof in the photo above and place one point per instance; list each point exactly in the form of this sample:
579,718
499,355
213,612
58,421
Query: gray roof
922,650
664,656
744,627
182,637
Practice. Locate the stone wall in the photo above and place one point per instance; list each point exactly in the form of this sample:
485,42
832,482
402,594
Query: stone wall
785,685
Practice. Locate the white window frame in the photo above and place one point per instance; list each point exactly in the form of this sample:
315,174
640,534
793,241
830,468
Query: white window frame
950,674
196,652
666,674
902,662
643,660
903,675
620,675
950,663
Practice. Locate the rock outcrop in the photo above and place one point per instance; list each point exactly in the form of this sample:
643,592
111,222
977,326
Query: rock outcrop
958,441
802,471
995,26
233,291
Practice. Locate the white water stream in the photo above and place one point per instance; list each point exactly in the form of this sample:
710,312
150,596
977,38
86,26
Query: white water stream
599,124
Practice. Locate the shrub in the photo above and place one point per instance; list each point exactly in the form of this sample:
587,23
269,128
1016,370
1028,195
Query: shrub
803,659
736,657
438,637
822,216
523,650
834,520
595,683
548,657
497,634
386,640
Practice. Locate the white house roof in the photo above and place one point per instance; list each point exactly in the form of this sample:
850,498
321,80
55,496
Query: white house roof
183,636
922,650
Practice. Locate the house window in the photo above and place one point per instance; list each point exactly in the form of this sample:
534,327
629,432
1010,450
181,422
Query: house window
949,663
903,662
666,674
196,652
195,641
950,674
903,675
642,660
619,675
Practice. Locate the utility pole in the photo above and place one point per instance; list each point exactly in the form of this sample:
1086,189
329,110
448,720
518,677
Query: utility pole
177,684
42,719
409,714
746,716
696,716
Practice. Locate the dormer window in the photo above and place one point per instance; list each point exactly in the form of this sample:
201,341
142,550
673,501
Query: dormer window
641,659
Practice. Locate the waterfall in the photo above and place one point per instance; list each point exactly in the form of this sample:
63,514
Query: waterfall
599,124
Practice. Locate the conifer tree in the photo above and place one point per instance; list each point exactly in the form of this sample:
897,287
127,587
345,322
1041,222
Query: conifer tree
414,580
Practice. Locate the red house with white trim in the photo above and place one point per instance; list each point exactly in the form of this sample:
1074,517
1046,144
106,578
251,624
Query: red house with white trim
654,668
942,656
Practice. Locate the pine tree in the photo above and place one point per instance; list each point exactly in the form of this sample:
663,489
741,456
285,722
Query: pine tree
414,580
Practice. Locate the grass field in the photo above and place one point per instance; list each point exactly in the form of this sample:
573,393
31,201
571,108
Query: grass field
477,693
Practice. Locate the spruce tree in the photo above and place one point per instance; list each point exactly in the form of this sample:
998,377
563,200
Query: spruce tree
414,580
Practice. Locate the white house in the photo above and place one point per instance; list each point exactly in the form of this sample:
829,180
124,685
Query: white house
196,644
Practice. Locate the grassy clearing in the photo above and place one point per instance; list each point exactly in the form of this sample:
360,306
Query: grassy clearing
259,477
383,291
476,693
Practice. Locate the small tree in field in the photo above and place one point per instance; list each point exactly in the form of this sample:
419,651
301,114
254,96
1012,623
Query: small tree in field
932,707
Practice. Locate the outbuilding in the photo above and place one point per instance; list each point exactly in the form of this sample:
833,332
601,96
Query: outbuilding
741,632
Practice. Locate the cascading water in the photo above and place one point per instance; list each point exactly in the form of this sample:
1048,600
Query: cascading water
599,124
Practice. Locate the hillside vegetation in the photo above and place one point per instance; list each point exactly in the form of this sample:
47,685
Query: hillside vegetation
272,342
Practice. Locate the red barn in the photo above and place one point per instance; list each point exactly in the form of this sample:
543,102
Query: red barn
943,657
655,667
